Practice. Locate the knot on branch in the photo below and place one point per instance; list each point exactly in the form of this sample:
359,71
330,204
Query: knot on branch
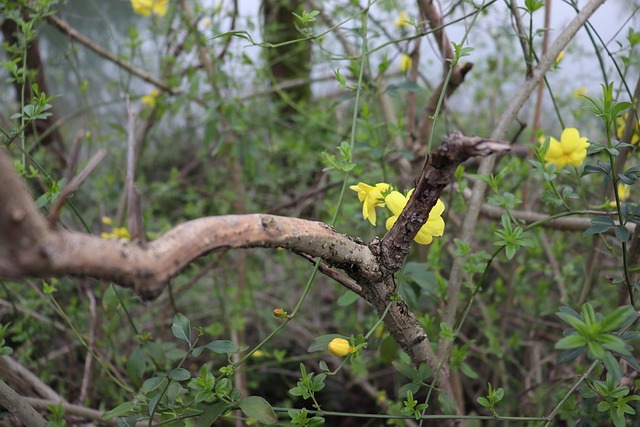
436,174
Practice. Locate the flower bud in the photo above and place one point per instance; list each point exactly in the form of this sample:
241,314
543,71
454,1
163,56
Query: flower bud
340,347
280,313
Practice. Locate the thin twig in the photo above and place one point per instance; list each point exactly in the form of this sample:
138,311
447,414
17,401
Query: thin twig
74,185
67,29
91,343
133,196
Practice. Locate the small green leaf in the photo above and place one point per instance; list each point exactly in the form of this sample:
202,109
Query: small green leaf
622,233
571,341
179,374
320,343
119,411
136,366
347,299
181,328
223,347
259,409
617,318
211,414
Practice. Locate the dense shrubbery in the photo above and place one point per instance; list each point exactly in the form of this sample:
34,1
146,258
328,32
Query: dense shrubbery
531,310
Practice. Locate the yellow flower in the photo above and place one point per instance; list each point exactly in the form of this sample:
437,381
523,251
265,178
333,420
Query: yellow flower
571,150
148,7
106,220
432,228
621,121
580,91
624,191
558,58
405,62
340,347
371,197
401,22
120,233
150,99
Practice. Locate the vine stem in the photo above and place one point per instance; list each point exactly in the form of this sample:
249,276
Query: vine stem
582,378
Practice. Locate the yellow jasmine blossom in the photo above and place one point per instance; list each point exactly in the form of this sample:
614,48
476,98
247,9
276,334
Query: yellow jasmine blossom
401,22
405,62
371,197
150,99
620,122
148,7
624,191
558,58
120,233
570,150
432,228
580,91
340,347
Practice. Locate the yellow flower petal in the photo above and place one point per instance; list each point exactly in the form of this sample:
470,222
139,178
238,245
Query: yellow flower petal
406,62
396,202
401,22
340,347
371,197
571,150
148,7
434,226
150,99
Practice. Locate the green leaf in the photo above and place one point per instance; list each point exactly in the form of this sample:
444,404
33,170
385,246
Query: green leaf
617,318
571,341
259,409
575,322
347,299
179,374
136,366
622,233
119,411
483,401
153,383
211,414
223,347
181,328
388,350
613,343
320,343
612,365
599,224
569,355
596,350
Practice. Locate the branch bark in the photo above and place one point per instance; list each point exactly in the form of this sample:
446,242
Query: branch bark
29,246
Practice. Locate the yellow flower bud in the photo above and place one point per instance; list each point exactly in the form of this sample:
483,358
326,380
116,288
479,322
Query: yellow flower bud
340,347
280,313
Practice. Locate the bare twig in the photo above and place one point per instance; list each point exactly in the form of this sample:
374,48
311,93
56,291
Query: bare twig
335,275
91,344
521,32
545,45
74,185
67,29
134,209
